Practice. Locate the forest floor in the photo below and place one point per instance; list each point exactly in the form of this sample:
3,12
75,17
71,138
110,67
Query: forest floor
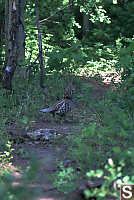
47,153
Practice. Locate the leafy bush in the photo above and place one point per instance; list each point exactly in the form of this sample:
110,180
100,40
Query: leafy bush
64,180
113,177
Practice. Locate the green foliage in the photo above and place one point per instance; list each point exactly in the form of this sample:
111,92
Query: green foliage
6,147
113,173
67,59
23,190
107,46
7,189
104,141
64,179
126,60
61,49
113,177
96,11
6,155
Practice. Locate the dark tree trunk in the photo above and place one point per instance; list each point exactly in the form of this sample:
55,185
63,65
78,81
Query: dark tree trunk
12,31
11,28
1,34
21,34
40,44
86,24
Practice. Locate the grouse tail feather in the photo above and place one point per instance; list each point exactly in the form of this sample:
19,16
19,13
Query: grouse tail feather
46,110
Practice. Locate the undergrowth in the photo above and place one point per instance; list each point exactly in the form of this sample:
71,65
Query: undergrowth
105,143
104,148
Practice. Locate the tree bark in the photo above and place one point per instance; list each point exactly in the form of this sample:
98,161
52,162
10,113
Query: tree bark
40,44
12,36
20,36
1,33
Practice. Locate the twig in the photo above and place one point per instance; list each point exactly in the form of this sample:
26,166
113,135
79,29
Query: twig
55,13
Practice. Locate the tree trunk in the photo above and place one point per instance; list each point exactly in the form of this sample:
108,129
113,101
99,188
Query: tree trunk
1,34
86,24
20,36
13,26
40,44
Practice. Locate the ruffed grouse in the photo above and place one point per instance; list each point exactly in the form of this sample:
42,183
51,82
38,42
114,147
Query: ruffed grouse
62,106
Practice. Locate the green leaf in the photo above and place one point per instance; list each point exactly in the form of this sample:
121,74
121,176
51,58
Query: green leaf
116,149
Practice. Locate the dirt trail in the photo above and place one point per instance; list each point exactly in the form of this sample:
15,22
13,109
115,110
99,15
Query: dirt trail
47,155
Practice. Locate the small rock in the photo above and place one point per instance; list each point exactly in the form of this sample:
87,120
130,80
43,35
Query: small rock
42,134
